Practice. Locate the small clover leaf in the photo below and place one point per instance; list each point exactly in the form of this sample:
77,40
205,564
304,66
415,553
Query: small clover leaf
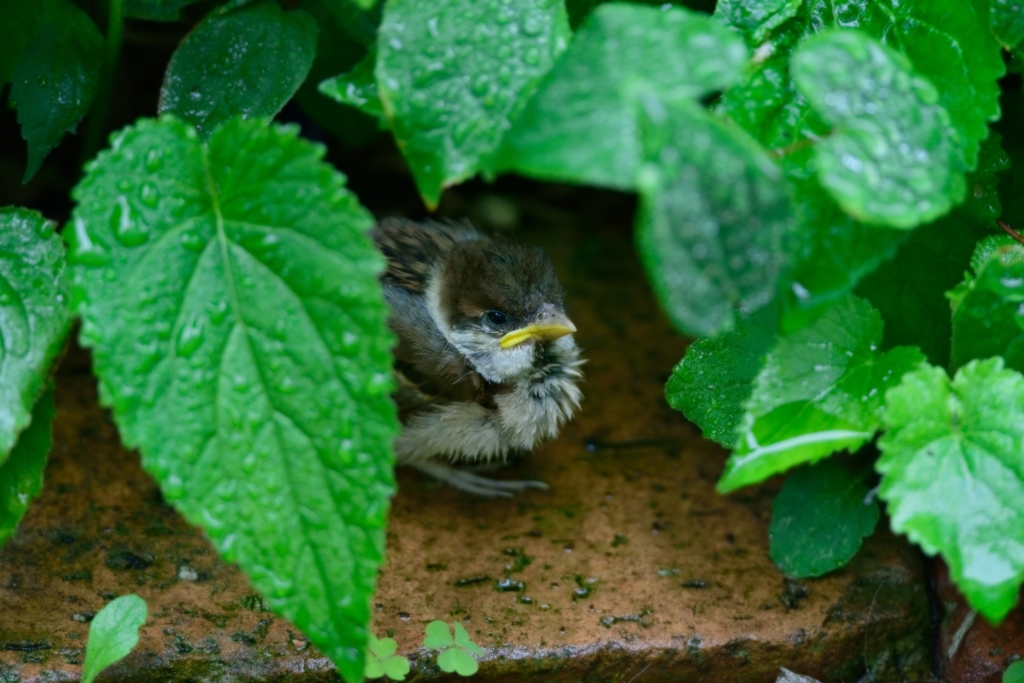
381,660
456,654
438,636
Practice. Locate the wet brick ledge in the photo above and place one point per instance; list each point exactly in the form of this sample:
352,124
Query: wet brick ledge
632,568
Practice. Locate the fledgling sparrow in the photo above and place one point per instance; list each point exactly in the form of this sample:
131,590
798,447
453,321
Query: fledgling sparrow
485,364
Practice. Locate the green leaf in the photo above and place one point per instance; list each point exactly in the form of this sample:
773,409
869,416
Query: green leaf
438,635
988,319
357,88
17,28
456,654
831,252
55,81
463,640
35,315
890,160
481,58
156,10
582,125
835,253
357,22
908,291
713,217
229,293
457,660
113,633
1014,673
952,475
757,19
1007,17
819,519
381,660
244,62
715,377
988,248
821,390
949,44
767,105
344,30
21,477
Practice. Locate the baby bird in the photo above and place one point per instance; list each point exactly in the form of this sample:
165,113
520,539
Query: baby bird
486,364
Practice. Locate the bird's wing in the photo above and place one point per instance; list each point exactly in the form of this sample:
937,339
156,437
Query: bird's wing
424,359
412,248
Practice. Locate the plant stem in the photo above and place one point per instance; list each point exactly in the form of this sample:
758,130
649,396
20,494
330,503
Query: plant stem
1010,231
101,104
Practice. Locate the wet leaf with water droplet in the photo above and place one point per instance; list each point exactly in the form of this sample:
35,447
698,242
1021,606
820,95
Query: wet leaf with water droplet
819,519
714,215
756,19
21,476
715,377
215,362
950,44
434,56
892,158
952,476
259,45
582,125
821,390
988,316
35,316
357,88
56,79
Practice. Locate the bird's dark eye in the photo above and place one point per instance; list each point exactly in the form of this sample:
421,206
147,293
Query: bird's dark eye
496,317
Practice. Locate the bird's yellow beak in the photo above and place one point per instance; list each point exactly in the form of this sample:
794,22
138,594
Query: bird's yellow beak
551,326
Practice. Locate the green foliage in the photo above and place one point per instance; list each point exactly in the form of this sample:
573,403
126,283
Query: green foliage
381,660
988,319
56,77
34,315
889,159
713,381
251,367
259,44
833,253
821,390
819,519
952,475
480,58
113,633
21,476
909,291
456,654
757,20
357,88
712,221
583,125
1014,673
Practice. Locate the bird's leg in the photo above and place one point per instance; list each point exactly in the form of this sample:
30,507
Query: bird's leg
459,432
474,483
